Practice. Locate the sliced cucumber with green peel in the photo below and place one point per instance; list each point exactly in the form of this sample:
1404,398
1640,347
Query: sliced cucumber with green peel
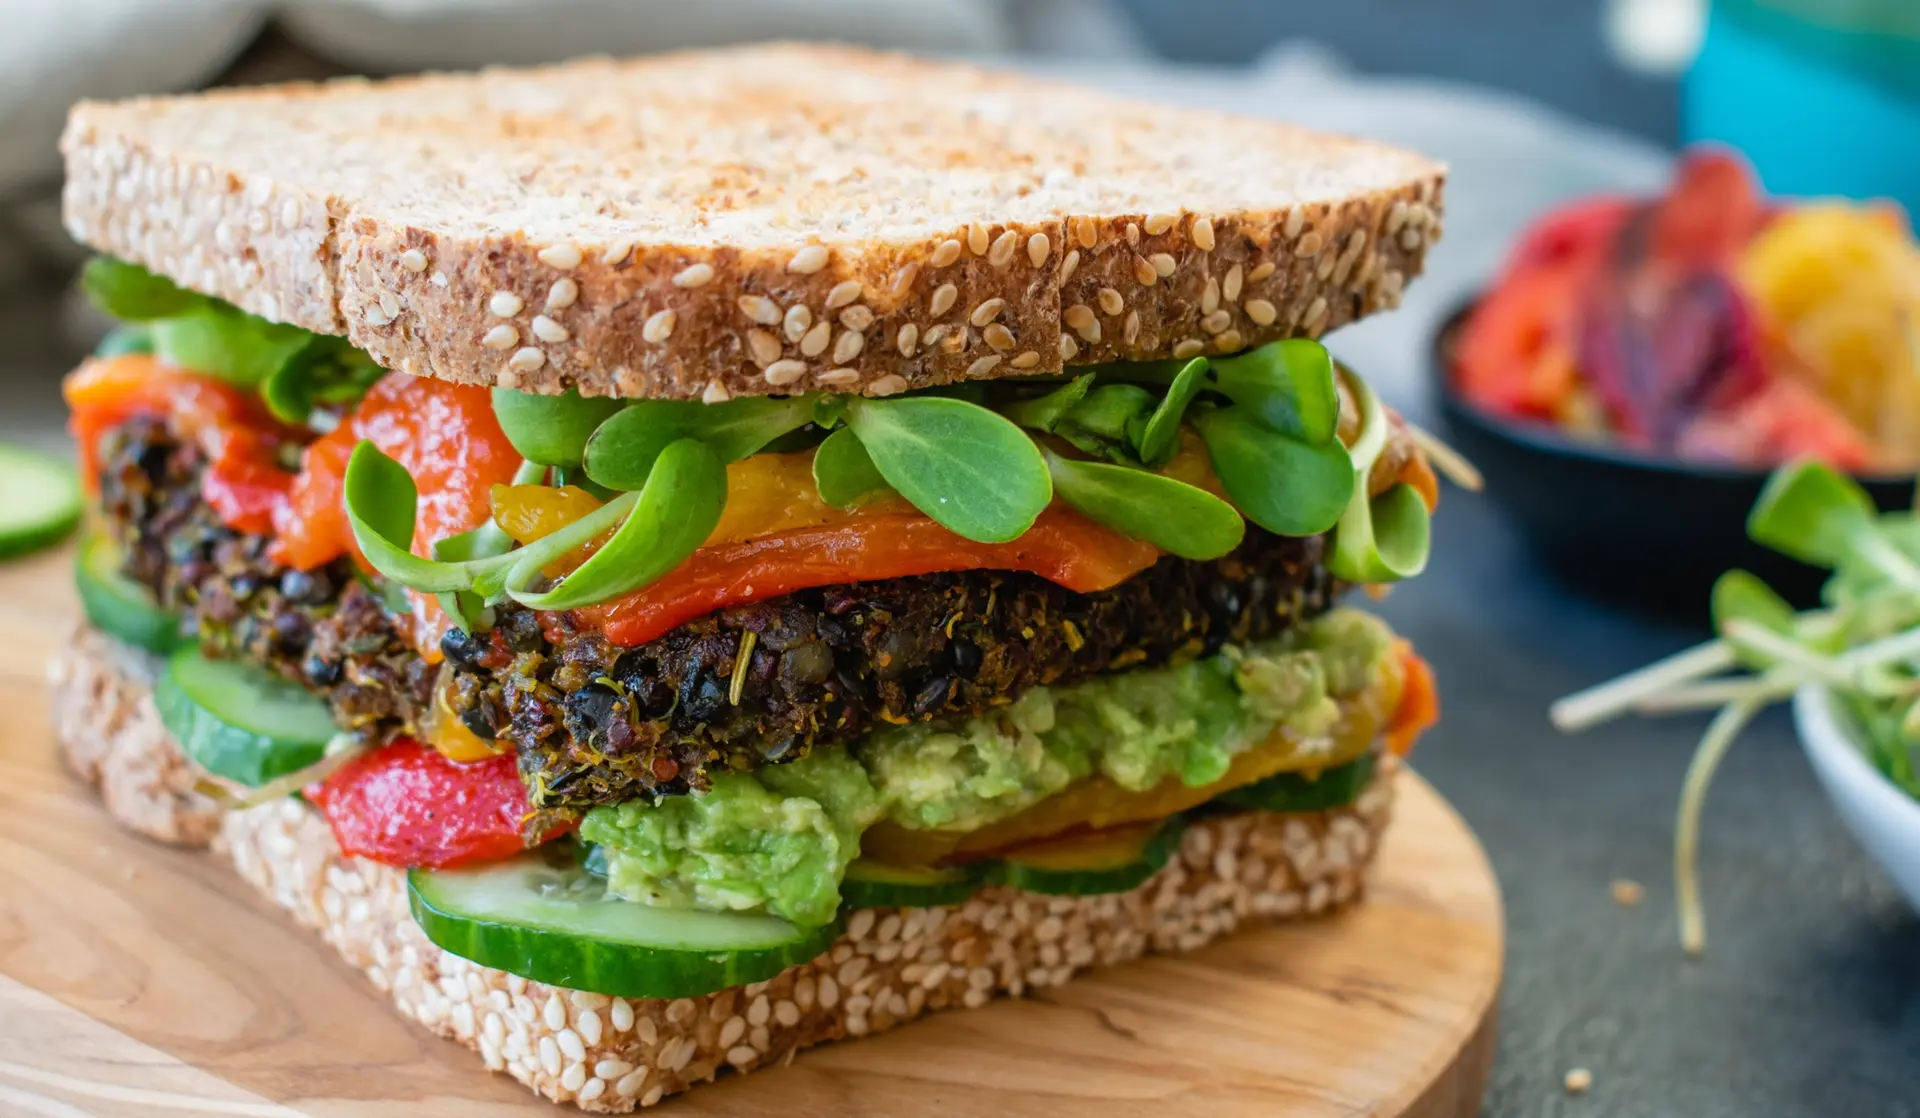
871,884
40,500
1091,864
555,923
117,605
1336,787
238,721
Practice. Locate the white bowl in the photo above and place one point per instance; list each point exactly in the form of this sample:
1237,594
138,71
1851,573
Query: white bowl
1884,819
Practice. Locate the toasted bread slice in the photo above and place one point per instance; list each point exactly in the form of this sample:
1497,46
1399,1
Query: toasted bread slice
747,221
615,1054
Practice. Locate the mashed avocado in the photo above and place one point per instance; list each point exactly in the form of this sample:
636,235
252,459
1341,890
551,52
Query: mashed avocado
779,839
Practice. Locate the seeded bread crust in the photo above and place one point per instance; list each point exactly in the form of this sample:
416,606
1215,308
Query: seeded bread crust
748,221
891,965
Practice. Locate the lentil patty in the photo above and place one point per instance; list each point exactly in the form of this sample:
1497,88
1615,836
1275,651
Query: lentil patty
756,684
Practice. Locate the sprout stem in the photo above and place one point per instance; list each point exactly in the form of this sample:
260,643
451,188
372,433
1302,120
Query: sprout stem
1450,462
1693,798
1615,697
1719,692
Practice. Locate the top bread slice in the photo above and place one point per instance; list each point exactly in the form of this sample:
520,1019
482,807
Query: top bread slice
759,220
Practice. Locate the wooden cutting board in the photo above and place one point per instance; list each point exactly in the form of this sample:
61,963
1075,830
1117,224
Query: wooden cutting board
136,979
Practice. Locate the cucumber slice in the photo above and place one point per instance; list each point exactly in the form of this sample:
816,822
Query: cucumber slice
117,605
553,922
125,339
1067,868
39,500
1336,787
871,884
238,721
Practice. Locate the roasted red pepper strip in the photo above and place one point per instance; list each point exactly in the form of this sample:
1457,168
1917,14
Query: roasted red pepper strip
1062,546
406,805
1419,705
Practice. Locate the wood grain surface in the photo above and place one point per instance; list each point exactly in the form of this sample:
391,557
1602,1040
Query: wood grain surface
136,979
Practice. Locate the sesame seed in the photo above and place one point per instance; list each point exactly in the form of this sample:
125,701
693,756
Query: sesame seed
290,212
785,372
839,376
505,304
715,393
438,279
1261,311
1111,302
389,304
987,312
1132,329
999,337
1159,223
1026,360
550,1056
526,359
983,366
1316,313
562,294
591,1090
1396,216
507,379
1579,1081
943,299
1164,264
1069,266
654,1094
787,1013
903,280
1188,347
799,317
694,275
908,338
1217,321
1295,221
1231,289
1261,272
1133,233
1004,246
571,1046
759,308
659,326
562,256
1080,316
1069,349
808,260
732,1032
842,294
848,346
612,1069
1309,244
1325,268
889,385
1410,239
763,347
977,239
413,260
620,1015
814,342
629,1084
1229,341
554,1013
741,1056
1144,272
1038,248
616,254
934,333
947,253
1202,234
589,1026
857,317
547,330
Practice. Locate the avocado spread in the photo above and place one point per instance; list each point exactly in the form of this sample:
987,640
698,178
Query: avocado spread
779,839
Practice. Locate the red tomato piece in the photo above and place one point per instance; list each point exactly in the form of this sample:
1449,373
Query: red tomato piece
406,805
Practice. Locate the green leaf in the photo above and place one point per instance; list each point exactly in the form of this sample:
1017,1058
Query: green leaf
326,370
673,515
1171,515
1286,486
621,453
966,467
1107,422
1288,385
551,430
223,342
1383,539
1042,413
1162,436
132,294
1742,596
843,472
380,500
1812,513
125,339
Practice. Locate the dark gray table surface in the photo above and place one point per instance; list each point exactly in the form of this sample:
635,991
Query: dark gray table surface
1808,1001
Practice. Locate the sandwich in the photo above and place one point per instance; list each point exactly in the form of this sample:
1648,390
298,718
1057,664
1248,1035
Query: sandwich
666,563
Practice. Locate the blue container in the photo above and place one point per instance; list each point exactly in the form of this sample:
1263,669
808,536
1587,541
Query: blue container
1822,95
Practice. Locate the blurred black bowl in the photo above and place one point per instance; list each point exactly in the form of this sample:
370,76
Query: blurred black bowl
1649,532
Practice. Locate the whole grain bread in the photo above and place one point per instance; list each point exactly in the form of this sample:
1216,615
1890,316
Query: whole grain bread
746,221
890,966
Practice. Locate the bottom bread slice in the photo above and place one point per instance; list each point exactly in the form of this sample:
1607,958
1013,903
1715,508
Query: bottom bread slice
890,966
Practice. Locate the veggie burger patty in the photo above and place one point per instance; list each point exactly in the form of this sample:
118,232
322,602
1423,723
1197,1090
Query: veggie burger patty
596,723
